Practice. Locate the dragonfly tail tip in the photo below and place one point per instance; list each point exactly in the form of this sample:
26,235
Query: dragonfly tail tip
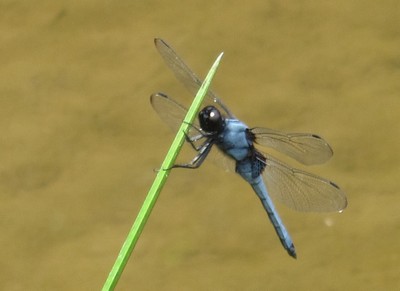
292,252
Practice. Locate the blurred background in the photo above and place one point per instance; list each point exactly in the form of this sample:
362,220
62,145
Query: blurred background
79,142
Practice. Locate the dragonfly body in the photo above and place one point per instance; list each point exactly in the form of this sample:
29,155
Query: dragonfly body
236,141
217,127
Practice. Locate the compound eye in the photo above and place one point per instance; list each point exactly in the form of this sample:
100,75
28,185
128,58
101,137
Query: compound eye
211,119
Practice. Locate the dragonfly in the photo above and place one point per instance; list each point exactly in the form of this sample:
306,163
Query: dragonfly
218,133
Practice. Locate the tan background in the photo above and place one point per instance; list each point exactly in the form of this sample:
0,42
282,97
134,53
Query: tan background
79,142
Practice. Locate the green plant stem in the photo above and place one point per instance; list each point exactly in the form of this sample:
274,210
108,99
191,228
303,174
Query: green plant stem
158,183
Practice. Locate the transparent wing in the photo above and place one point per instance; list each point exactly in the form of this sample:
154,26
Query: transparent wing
306,148
172,113
300,190
184,74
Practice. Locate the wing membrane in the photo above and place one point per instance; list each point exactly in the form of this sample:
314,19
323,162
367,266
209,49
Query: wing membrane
300,190
306,148
170,111
184,74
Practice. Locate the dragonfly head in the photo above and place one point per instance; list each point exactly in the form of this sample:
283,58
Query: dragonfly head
211,120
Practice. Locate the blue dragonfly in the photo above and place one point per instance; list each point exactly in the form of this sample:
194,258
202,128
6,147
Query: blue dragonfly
231,143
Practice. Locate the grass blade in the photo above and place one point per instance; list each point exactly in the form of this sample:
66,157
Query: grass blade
158,183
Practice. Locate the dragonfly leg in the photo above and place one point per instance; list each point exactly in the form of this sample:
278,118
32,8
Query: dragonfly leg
203,151
193,139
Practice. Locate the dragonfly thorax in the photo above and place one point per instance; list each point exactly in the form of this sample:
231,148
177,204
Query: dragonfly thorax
211,119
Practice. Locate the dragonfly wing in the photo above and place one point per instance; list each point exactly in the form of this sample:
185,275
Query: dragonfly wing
300,190
181,71
306,148
185,75
171,112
